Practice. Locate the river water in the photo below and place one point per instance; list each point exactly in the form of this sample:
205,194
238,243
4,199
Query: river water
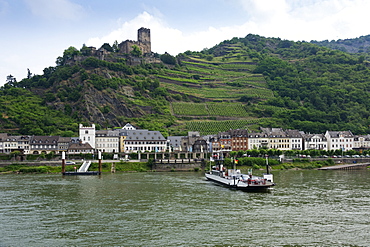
306,208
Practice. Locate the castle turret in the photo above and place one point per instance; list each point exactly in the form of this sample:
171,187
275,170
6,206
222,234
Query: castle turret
143,37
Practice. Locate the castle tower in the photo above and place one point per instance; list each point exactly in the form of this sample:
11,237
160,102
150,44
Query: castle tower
87,134
143,37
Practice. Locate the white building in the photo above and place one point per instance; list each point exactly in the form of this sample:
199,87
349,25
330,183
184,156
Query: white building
342,140
128,126
296,139
107,141
3,137
278,138
87,135
315,141
257,140
144,141
361,141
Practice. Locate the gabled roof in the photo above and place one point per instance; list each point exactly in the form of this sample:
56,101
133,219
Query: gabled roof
129,126
75,139
101,133
293,133
64,139
44,139
366,137
257,135
239,133
274,132
338,134
311,136
144,135
80,146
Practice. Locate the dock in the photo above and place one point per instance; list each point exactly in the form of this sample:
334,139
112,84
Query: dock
82,173
354,166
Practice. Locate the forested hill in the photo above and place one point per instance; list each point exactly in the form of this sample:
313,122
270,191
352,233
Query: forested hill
359,45
240,83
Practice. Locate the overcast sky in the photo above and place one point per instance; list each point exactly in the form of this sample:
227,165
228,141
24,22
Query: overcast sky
35,32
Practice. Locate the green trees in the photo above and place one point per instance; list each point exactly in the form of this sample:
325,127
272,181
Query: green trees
324,86
107,47
68,54
136,52
168,59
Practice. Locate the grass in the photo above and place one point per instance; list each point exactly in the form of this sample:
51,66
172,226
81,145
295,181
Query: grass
213,127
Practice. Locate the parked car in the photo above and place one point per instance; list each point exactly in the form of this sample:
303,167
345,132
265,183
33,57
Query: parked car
70,163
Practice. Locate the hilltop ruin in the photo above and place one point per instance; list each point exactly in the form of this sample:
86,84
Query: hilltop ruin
124,51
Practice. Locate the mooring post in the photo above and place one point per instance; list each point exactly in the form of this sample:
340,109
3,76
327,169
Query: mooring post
100,165
63,162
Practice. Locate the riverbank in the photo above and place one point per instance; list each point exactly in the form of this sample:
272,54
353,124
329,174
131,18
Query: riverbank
107,166
136,166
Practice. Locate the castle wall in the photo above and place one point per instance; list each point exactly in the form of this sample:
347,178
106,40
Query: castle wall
143,42
126,46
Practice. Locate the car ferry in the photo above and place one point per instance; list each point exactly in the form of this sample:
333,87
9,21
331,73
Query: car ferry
233,178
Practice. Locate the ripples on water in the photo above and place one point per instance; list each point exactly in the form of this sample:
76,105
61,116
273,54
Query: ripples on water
306,208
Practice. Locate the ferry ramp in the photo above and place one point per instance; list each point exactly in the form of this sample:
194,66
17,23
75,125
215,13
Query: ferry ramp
85,166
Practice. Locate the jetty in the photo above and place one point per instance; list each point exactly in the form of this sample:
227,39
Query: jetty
354,166
83,170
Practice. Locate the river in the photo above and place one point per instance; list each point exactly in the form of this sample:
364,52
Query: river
306,208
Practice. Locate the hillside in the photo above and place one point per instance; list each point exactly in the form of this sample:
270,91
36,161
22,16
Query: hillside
359,45
240,83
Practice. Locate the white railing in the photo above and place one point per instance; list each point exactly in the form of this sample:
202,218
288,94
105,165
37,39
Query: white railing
85,166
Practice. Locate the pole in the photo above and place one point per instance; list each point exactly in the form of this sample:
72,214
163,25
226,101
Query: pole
100,164
63,162
267,164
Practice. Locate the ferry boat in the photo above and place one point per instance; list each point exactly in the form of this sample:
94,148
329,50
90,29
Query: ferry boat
233,178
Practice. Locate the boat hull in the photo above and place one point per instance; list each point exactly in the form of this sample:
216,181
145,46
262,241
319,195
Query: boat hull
236,184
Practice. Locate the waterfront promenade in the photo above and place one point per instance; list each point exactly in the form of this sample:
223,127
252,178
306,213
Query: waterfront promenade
354,166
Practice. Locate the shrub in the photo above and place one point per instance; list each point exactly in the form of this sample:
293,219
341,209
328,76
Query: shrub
39,169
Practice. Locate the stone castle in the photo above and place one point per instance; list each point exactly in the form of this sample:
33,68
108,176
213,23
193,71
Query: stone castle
143,42
124,51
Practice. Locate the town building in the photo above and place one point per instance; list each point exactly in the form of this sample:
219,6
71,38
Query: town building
296,139
87,134
63,144
342,140
80,148
257,140
107,141
278,139
188,141
175,143
361,143
315,141
239,139
44,144
144,141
